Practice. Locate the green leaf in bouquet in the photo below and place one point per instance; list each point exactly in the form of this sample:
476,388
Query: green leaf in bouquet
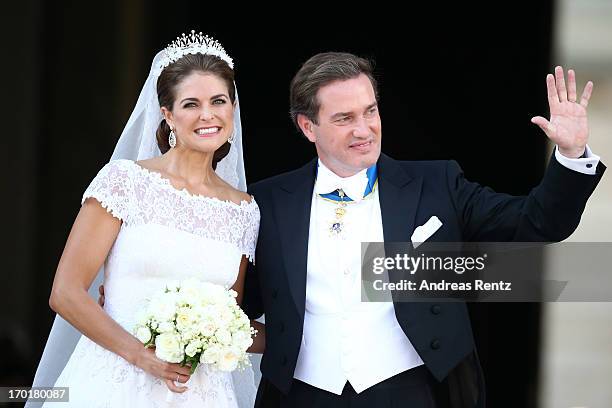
192,362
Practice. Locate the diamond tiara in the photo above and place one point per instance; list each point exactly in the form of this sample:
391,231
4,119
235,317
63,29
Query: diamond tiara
194,43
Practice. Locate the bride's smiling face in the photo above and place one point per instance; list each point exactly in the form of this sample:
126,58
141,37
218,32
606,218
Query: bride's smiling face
202,114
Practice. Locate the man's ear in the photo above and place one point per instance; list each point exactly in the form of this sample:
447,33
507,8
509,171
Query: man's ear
306,126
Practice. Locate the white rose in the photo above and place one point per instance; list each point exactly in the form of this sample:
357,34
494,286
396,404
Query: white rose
242,340
244,319
185,317
143,334
229,359
207,290
197,310
211,355
240,323
208,311
164,307
225,317
165,327
190,292
168,348
223,336
217,295
230,298
192,348
207,328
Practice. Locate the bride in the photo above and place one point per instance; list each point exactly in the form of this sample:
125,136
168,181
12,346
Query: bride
167,207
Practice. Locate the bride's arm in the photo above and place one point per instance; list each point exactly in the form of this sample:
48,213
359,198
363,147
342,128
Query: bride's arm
259,341
91,238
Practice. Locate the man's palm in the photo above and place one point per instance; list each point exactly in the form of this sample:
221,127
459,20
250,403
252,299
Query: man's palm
568,125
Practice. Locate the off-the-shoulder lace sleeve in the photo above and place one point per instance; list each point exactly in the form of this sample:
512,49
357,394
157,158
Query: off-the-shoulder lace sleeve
112,187
251,230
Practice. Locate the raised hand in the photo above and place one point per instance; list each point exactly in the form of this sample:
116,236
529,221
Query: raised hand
568,125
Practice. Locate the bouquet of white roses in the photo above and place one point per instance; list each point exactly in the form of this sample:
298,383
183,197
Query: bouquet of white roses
192,322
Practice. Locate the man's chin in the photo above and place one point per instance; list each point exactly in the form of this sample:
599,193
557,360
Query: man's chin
369,159
367,163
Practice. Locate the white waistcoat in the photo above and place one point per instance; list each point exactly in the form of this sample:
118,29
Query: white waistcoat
346,339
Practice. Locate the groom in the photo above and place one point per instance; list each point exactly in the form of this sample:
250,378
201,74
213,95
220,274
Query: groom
325,348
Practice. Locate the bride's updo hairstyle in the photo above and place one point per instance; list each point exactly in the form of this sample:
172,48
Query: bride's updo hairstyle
171,77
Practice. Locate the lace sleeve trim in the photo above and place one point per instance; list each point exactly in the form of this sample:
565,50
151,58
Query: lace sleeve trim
111,188
106,205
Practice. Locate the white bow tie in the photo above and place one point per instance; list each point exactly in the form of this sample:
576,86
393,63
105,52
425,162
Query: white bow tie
353,186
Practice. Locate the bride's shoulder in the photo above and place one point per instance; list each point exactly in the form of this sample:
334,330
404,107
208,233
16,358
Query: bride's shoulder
243,200
118,165
115,170
241,196
114,178
112,187
123,169
234,195
153,164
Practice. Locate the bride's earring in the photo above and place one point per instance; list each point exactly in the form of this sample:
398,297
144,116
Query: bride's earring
232,138
172,139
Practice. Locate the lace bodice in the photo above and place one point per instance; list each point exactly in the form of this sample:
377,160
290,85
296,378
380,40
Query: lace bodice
139,196
167,234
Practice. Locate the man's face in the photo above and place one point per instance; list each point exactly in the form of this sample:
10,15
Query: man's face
348,135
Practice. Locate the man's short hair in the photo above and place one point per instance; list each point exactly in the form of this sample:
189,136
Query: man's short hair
318,71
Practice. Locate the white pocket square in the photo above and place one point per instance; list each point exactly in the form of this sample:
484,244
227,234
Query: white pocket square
422,233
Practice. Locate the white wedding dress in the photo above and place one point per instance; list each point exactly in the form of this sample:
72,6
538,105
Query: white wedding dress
166,234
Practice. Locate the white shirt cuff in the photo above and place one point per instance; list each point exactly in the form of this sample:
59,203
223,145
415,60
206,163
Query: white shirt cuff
584,165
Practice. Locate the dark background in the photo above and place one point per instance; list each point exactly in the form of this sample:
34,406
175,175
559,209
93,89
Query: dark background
458,82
